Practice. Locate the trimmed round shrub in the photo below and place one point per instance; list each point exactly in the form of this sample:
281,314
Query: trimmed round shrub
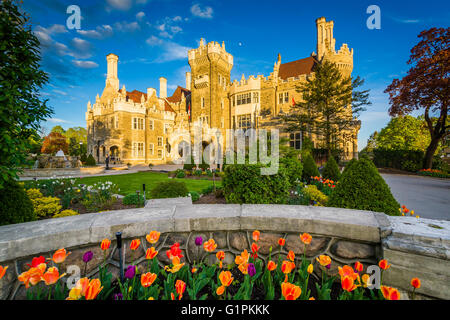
180,174
309,168
294,169
83,158
169,189
90,161
244,183
133,198
47,206
15,205
362,187
315,194
331,170
66,213
194,196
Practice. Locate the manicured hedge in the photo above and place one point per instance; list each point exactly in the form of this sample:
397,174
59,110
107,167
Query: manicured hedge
15,205
243,183
309,168
331,170
409,160
362,187
169,189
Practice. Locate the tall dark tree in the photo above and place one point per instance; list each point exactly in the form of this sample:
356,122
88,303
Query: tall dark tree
330,104
21,107
426,86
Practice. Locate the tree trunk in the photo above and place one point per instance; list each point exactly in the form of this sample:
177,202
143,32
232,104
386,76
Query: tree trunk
428,160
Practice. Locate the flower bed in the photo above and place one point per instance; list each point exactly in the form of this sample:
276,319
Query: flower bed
433,173
284,277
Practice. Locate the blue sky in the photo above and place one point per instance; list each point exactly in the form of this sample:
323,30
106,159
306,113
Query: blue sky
151,38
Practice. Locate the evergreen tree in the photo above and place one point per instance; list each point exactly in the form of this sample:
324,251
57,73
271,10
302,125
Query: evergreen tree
331,170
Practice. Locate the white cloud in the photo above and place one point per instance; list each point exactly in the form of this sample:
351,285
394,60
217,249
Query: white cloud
54,29
126,27
82,49
85,64
177,18
153,41
140,15
60,92
120,4
202,13
100,32
57,120
173,51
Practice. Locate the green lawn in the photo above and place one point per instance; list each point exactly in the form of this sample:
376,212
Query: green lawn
129,183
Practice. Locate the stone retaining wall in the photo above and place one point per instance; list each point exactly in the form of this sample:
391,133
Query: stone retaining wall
60,172
413,247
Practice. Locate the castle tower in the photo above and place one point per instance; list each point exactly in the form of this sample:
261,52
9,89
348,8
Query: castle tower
111,76
326,47
210,75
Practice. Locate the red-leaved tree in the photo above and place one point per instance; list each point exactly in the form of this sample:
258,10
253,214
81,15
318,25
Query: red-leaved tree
54,142
426,86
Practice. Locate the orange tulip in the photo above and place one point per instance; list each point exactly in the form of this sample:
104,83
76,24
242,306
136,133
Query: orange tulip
383,264
105,244
324,260
291,255
33,275
194,270
243,258
172,296
52,276
347,283
220,256
287,266
225,278
153,237
3,271
151,253
243,268
180,286
83,284
390,293
220,290
255,249
177,265
210,245
256,235
310,269
415,282
347,271
281,242
93,289
306,238
290,291
147,279
271,265
365,279
60,255
359,266
312,298
135,244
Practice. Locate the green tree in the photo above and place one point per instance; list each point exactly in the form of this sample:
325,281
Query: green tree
331,170
404,133
309,168
21,107
58,129
330,104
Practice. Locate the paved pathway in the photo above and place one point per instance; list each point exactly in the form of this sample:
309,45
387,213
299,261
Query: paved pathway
428,197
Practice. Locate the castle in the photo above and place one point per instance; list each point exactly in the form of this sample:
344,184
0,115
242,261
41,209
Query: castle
138,127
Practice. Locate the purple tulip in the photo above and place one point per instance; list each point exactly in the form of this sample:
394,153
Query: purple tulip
251,269
118,296
87,256
198,241
328,266
130,272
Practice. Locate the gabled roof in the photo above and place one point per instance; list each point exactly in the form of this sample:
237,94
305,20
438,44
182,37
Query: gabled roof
176,96
135,96
296,68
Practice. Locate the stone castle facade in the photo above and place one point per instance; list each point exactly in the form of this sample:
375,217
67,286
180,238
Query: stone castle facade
141,127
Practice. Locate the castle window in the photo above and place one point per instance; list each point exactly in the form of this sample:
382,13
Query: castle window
151,124
138,149
255,97
234,100
166,127
138,124
160,141
116,118
160,153
151,148
280,98
295,140
286,97
203,102
221,103
244,121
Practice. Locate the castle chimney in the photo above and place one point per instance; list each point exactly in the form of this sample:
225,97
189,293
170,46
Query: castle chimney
162,87
188,81
111,76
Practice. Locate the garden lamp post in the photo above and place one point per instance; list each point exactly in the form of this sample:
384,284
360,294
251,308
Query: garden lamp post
143,190
119,248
